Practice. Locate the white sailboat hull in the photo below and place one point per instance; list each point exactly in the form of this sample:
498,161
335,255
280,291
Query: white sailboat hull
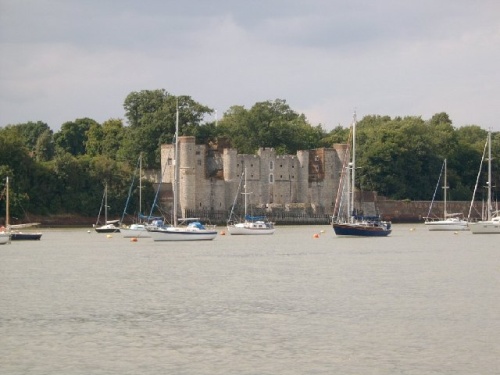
4,238
447,225
486,227
135,231
182,234
249,228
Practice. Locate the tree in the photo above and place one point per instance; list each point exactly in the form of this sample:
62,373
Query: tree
105,139
29,133
397,158
269,124
44,148
152,116
72,137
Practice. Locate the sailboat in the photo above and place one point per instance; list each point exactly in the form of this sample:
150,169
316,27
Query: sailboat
136,229
13,230
491,225
4,231
109,226
193,230
354,224
452,221
251,224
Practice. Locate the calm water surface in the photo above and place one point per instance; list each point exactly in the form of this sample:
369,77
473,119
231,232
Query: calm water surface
417,302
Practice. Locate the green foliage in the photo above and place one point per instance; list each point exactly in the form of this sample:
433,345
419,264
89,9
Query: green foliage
65,172
72,137
152,116
268,124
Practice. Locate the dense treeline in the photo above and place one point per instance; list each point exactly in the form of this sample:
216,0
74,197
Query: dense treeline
65,172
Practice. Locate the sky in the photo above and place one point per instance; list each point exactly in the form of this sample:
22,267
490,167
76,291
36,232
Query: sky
66,59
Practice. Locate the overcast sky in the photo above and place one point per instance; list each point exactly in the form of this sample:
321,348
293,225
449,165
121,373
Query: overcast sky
66,59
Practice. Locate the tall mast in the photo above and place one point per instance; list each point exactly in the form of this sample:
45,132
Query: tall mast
489,205
445,187
140,183
353,165
7,213
245,192
176,163
105,203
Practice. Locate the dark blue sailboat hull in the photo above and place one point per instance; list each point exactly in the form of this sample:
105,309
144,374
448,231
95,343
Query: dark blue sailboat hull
369,230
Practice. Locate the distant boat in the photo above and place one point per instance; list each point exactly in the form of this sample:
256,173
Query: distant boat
352,223
252,224
449,222
11,231
25,236
4,230
194,230
4,236
137,229
109,226
490,224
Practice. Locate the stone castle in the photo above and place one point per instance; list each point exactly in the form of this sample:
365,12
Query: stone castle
209,178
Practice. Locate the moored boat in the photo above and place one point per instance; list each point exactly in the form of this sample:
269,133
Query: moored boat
251,225
109,226
491,224
352,223
449,222
194,230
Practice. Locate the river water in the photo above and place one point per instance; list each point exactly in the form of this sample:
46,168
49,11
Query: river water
416,302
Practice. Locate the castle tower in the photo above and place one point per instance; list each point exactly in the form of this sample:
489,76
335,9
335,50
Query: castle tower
303,177
187,173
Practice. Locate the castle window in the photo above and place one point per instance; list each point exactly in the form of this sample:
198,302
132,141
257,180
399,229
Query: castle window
199,162
271,165
271,178
169,161
197,152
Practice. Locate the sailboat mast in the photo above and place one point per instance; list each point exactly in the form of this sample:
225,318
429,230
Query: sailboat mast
176,163
245,192
489,205
105,203
7,212
445,187
353,166
140,183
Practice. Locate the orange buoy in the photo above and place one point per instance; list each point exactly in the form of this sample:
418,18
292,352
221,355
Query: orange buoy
222,233
133,239
316,235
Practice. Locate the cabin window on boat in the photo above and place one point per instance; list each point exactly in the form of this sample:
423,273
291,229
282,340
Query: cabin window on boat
271,178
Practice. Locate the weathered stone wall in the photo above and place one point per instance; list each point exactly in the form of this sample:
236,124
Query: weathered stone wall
209,178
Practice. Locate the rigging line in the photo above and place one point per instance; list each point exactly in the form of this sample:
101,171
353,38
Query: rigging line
340,196
100,209
477,181
435,191
130,191
156,194
236,197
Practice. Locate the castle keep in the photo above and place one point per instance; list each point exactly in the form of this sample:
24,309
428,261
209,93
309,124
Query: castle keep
209,178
